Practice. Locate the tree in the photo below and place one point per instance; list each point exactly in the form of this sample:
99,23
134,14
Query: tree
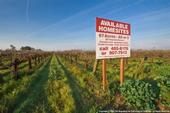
13,48
26,48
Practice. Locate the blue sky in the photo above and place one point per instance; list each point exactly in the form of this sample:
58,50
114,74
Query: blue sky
70,24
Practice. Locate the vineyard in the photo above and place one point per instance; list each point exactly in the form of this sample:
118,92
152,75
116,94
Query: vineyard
70,82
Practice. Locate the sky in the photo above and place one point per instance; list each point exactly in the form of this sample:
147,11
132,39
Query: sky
70,24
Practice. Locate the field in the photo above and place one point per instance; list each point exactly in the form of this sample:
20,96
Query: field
71,82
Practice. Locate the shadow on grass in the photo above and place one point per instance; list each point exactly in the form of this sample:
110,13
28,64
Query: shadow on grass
155,87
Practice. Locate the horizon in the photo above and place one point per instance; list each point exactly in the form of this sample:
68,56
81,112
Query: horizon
19,49
66,25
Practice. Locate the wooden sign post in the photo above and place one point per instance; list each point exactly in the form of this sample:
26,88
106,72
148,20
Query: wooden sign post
104,74
121,71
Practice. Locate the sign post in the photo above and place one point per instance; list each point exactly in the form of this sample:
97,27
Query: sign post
112,41
121,71
104,74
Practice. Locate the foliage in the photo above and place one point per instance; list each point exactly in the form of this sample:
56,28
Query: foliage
163,79
114,88
139,94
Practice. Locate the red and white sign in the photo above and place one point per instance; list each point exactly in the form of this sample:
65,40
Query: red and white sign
112,39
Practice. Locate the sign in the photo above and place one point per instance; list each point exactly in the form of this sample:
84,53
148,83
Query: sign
112,39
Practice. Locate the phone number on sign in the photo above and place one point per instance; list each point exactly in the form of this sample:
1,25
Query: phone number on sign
117,52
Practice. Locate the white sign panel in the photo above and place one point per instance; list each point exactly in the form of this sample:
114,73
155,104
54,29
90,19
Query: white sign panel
112,39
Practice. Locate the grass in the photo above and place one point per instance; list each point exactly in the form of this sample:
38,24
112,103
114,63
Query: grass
35,93
86,86
60,94
76,93
13,92
59,86
148,71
